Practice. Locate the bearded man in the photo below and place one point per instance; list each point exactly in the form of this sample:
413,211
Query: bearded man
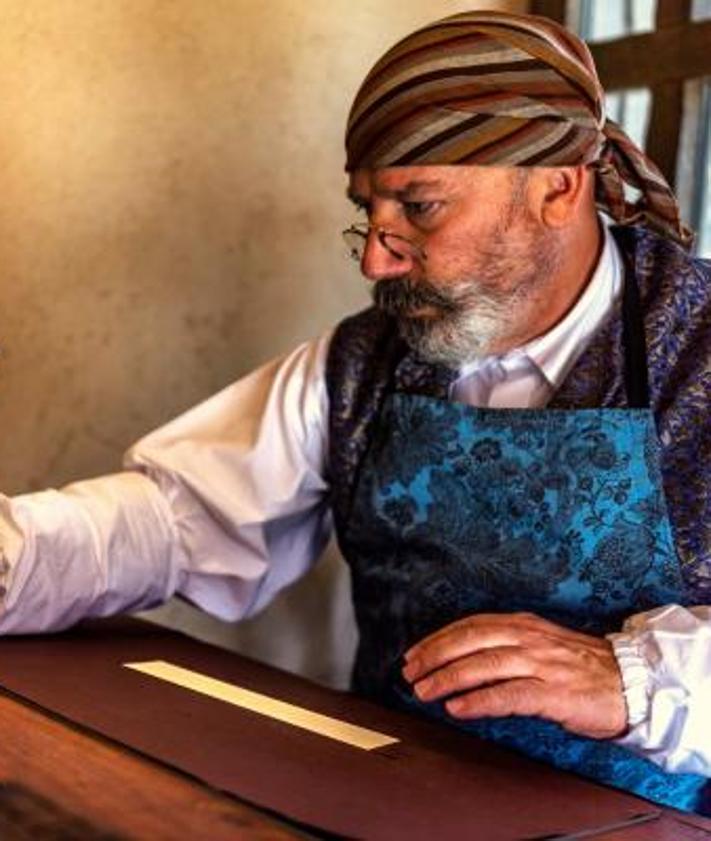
513,443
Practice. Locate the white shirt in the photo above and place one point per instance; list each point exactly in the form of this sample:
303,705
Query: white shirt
227,505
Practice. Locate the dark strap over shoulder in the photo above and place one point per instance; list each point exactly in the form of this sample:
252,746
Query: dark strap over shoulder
363,355
635,344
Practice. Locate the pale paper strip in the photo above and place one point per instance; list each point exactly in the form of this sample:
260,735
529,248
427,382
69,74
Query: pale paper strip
332,728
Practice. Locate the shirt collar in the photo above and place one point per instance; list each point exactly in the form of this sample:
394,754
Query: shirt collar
555,352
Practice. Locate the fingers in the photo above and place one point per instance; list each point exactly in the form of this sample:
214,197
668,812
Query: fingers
600,717
512,622
523,696
471,624
479,633
489,666
518,664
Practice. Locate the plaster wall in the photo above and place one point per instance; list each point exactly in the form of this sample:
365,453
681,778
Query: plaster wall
172,196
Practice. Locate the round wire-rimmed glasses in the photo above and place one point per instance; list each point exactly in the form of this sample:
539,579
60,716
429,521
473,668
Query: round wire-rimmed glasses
400,247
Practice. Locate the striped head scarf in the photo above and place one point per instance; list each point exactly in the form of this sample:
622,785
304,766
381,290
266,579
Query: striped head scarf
492,88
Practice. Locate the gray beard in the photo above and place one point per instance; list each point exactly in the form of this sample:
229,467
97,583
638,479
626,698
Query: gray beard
467,323
455,340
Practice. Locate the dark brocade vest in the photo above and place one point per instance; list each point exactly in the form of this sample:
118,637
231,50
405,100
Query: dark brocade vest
368,361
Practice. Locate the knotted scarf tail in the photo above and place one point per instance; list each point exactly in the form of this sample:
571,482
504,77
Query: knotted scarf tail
622,161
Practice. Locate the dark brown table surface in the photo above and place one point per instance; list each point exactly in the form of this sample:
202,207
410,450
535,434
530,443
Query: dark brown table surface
57,770
109,788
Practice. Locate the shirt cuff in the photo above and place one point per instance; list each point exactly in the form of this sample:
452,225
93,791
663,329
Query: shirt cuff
635,677
664,659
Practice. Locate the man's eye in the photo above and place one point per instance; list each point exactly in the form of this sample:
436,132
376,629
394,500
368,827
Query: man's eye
420,209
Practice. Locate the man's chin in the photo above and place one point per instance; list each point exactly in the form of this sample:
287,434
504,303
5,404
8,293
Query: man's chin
438,343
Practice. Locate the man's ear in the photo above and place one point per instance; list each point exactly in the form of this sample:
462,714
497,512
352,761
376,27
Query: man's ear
562,193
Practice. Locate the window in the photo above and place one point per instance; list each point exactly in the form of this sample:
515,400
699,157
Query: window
654,60
702,193
631,109
701,10
595,21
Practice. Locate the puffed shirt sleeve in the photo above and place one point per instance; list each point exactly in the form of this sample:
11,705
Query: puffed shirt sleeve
665,660
225,505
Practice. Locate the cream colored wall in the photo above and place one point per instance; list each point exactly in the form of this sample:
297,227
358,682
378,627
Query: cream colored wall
170,206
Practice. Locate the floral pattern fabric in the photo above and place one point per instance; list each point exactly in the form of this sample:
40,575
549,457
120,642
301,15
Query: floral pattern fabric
548,511
473,510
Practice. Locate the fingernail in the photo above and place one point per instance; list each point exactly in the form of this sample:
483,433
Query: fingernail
423,688
454,706
411,670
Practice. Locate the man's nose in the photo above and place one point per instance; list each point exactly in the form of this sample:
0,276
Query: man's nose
379,262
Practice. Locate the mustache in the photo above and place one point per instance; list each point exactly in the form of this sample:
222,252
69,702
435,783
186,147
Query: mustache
399,295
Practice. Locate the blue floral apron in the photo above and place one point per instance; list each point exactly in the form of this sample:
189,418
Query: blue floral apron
460,510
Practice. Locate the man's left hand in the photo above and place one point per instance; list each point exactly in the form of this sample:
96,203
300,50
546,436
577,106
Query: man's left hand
519,664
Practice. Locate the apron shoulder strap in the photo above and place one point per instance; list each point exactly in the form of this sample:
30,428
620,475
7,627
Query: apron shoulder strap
635,344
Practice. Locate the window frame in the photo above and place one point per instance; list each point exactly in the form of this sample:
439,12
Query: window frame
672,61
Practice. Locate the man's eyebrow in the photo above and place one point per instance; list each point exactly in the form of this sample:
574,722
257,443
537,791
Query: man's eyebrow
404,192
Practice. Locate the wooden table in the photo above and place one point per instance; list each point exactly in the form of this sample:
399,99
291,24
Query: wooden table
72,784
112,789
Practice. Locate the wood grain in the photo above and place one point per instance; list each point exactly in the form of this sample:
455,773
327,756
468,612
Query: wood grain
671,54
116,790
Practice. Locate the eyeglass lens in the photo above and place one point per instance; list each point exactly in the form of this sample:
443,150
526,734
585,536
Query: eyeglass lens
399,247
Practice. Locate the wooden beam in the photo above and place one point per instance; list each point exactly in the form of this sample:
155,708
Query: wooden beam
663,135
553,9
654,58
671,12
